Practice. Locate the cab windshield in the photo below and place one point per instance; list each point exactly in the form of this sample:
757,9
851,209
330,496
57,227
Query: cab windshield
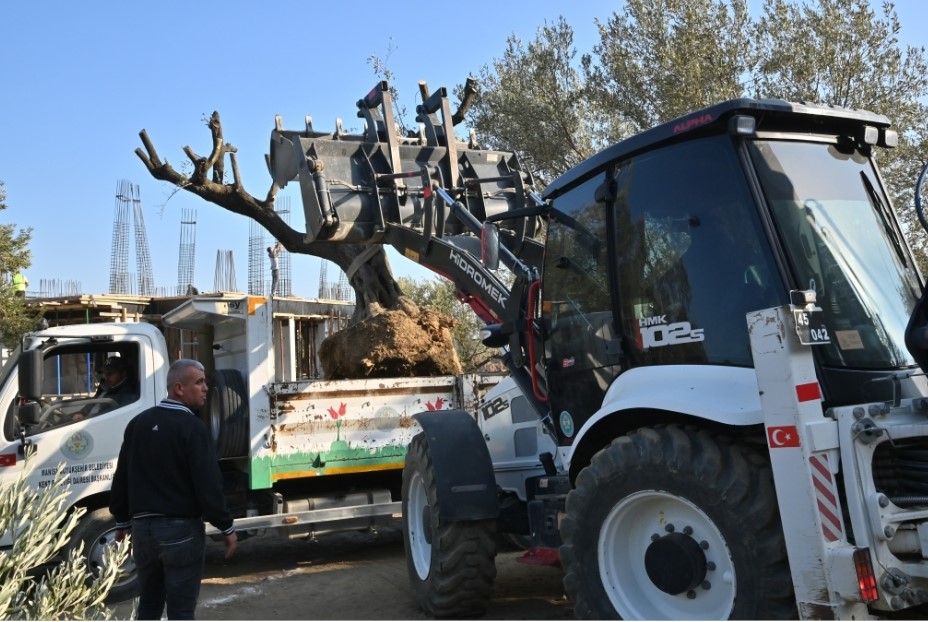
841,241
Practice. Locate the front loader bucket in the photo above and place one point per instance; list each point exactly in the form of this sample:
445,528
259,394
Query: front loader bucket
355,186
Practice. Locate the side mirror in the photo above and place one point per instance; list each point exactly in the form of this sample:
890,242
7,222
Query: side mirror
489,245
28,414
30,374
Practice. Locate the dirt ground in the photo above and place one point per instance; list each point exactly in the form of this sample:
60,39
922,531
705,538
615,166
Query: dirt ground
351,576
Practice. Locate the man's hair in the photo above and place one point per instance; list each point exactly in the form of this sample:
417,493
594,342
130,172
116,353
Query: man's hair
269,249
177,372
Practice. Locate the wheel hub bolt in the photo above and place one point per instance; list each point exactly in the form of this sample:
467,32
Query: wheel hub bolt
691,594
688,530
710,565
669,528
706,585
703,545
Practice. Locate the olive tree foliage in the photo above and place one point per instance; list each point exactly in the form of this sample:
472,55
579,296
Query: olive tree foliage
842,52
661,59
535,100
654,61
438,295
658,59
42,526
15,318
381,68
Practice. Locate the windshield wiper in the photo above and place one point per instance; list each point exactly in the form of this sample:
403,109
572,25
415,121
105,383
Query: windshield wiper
887,216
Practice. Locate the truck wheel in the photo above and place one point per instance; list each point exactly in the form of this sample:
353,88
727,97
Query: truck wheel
97,531
673,523
451,565
227,413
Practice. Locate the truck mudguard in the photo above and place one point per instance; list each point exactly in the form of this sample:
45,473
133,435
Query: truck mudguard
461,464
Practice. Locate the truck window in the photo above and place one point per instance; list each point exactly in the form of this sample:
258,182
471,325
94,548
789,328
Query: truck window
692,257
81,383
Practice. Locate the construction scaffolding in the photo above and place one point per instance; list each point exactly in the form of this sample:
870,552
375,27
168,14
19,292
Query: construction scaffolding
259,268
146,278
335,290
285,282
256,259
224,278
187,251
53,288
127,195
119,254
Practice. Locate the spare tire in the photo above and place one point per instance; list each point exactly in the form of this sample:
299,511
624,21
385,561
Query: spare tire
226,413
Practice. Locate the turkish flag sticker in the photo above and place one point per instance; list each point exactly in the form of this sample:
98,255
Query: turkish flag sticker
782,436
7,460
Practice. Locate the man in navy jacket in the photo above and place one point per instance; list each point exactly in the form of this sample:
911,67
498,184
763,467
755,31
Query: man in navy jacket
167,482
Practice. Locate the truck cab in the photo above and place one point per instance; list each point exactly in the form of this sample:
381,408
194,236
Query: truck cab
63,426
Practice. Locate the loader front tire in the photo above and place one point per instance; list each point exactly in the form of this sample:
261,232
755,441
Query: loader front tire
451,564
676,523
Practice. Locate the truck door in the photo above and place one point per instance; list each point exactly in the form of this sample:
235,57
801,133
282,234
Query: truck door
78,426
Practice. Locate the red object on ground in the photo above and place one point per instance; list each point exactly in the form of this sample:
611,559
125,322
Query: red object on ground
541,556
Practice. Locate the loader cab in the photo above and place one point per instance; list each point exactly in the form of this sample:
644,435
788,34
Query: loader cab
681,257
658,247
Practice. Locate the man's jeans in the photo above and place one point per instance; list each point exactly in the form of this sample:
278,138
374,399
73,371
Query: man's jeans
169,556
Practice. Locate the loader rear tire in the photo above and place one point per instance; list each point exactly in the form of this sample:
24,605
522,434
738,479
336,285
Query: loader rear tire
227,413
451,565
675,523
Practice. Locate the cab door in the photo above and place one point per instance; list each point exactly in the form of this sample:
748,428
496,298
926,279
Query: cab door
73,429
581,348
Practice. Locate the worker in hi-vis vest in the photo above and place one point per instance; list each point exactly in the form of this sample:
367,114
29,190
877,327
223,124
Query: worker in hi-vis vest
20,283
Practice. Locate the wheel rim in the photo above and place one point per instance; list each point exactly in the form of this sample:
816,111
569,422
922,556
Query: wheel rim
95,553
420,548
626,540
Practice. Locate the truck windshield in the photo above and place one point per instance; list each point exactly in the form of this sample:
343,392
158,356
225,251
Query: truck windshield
834,223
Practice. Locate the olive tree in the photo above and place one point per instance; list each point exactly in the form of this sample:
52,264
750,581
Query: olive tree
534,99
658,59
370,276
41,525
15,317
843,52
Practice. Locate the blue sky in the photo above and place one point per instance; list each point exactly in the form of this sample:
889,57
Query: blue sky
80,80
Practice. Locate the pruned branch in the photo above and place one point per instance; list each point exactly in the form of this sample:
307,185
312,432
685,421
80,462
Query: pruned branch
216,158
470,93
232,197
372,281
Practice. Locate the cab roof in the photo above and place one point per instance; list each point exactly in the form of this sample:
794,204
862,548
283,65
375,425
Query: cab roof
769,114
